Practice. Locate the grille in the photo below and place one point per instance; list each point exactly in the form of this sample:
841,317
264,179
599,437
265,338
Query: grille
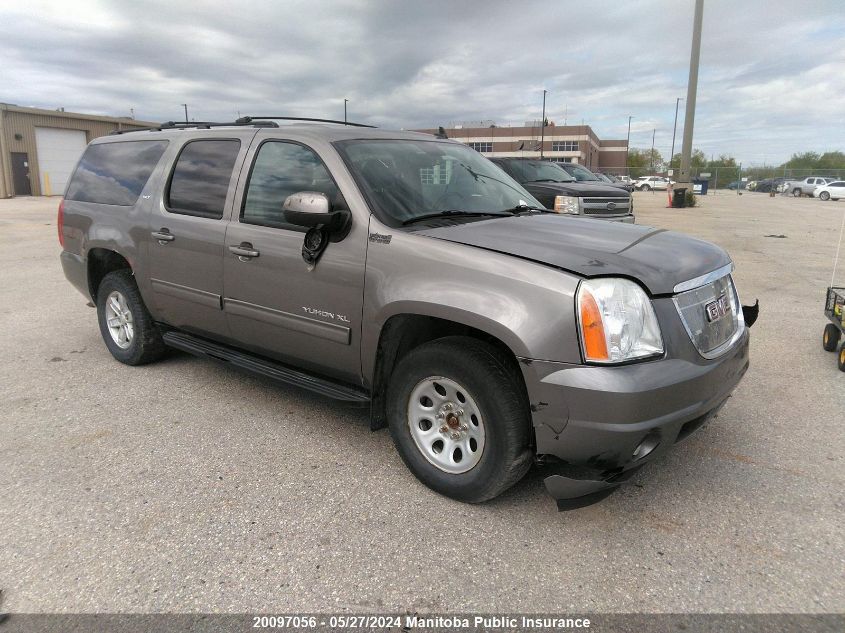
598,206
711,338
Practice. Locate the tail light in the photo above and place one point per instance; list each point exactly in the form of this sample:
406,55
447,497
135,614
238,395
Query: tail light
61,222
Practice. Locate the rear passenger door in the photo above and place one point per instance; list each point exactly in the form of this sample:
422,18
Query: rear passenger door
276,304
186,233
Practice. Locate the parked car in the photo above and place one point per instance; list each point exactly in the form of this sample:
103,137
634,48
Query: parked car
556,189
582,174
768,184
647,183
804,187
410,273
831,191
737,184
617,181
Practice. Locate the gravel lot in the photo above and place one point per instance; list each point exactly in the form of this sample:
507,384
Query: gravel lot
185,486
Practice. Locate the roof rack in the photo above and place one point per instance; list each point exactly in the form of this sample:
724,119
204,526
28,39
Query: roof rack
256,120
207,125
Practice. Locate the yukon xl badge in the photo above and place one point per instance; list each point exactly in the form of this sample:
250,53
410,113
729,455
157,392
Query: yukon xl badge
717,309
380,239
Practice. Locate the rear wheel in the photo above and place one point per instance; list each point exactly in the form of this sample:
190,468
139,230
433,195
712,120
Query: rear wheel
830,338
128,330
796,192
824,195
459,418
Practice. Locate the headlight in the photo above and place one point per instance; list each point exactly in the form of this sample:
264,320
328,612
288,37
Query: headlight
617,321
566,204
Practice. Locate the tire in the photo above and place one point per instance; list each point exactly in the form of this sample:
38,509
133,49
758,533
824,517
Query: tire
645,188
824,195
127,327
830,338
841,362
796,192
494,413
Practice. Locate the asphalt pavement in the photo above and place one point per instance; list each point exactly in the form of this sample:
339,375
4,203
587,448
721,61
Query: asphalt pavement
186,486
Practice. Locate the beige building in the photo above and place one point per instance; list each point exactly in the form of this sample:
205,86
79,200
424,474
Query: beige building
39,148
567,144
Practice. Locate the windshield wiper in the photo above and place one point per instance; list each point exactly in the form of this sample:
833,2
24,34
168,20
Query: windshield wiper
525,208
548,180
457,212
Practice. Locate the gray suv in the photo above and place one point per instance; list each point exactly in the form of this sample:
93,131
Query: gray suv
410,273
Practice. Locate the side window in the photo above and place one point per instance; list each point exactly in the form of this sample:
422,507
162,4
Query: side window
281,169
201,177
114,173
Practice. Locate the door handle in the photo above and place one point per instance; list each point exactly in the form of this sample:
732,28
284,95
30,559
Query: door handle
163,236
244,251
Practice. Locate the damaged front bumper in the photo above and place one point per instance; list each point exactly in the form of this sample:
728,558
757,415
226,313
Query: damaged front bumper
595,425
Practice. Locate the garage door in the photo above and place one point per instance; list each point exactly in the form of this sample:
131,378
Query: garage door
58,151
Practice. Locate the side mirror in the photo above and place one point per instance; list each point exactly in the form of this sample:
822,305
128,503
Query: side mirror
312,209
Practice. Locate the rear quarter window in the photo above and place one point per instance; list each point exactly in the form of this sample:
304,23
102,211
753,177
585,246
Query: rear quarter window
114,173
200,181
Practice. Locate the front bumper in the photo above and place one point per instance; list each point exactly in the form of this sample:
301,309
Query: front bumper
627,219
593,425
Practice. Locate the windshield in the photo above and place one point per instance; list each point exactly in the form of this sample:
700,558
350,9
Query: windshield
581,174
404,180
538,171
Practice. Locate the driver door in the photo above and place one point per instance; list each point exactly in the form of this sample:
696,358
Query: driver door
275,303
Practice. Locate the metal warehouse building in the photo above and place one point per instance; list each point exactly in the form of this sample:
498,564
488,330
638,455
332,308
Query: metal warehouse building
39,148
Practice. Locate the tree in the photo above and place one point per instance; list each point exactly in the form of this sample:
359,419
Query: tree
698,162
644,161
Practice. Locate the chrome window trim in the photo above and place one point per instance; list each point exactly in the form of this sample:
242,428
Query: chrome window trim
703,280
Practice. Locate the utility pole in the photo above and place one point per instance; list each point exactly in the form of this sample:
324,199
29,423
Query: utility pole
653,132
628,142
692,88
345,101
674,131
185,105
543,125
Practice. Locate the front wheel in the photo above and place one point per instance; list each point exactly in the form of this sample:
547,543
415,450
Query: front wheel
459,418
796,192
824,195
645,188
127,327
830,338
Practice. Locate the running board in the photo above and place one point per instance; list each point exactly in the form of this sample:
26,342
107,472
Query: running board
264,367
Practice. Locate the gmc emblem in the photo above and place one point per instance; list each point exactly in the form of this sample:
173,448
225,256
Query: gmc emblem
717,309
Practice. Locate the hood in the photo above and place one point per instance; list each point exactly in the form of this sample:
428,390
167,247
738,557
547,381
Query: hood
659,259
576,188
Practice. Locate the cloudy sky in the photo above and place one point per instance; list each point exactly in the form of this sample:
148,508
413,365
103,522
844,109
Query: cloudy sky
772,76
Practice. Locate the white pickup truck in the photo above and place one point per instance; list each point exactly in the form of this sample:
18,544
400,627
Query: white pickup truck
804,187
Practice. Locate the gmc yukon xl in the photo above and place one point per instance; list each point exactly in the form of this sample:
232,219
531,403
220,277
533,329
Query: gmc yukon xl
412,274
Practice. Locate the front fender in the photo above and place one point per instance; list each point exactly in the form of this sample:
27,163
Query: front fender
526,305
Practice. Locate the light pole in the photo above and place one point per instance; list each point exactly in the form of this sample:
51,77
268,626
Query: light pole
543,125
345,101
674,130
185,105
692,88
653,132
628,142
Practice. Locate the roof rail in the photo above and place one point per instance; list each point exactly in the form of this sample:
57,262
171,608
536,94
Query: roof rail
256,120
178,125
